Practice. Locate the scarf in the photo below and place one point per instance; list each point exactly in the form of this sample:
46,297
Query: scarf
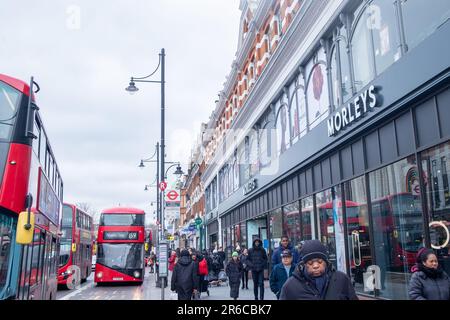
430,272
319,282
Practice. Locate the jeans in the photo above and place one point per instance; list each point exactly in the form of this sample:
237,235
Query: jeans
258,281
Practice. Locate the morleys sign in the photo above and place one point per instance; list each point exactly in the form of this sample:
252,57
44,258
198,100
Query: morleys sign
48,202
354,110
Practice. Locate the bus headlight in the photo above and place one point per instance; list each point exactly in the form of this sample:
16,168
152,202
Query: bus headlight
99,275
137,274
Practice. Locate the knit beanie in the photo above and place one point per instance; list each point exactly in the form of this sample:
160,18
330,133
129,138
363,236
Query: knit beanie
313,249
184,253
235,254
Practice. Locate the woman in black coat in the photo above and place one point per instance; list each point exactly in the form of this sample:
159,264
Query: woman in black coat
184,277
429,281
234,272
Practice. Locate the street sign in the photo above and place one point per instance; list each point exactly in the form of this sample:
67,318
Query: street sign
162,185
172,195
163,259
198,221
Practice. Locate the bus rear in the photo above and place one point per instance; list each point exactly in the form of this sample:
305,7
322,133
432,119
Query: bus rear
120,246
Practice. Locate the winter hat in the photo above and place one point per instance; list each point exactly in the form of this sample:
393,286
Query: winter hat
423,254
235,254
184,253
313,249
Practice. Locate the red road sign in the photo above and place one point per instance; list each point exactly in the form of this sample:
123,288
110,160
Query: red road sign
162,185
172,195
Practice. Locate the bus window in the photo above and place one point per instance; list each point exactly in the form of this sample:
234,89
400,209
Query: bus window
6,234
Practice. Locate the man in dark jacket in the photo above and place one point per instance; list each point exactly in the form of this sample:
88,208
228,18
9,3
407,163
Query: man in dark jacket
184,277
257,262
284,245
315,277
281,272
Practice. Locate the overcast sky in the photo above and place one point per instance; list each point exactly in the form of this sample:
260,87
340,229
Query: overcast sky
82,53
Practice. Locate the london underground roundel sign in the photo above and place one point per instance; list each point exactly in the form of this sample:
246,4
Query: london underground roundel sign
162,185
172,195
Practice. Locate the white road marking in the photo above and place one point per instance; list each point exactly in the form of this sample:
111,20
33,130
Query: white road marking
70,295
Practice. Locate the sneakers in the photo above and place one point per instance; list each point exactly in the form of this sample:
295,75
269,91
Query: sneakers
207,292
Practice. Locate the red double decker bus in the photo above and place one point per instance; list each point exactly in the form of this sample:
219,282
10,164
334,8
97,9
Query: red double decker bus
75,256
29,181
120,246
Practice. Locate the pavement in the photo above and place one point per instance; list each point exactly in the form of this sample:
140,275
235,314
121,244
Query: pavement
148,291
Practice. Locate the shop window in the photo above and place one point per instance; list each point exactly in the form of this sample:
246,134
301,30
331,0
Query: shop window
317,89
307,219
276,228
398,224
436,167
253,153
422,18
297,109
291,222
358,235
265,145
329,208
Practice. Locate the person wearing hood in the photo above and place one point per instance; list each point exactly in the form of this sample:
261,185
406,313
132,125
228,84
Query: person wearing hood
429,281
284,245
315,278
257,262
184,277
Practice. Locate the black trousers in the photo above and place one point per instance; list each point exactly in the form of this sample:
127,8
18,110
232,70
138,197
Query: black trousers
245,279
258,282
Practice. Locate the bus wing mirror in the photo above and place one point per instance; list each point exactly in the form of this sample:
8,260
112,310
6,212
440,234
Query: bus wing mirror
25,228
74,247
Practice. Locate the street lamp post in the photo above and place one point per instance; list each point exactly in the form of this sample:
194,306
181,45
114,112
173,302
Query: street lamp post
132,89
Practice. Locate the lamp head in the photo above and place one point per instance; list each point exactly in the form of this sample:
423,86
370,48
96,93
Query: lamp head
146,188
141,165
132,89
178,172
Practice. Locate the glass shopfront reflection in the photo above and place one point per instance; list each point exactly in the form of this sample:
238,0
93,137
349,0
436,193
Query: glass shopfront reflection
397,223
436,167
329,207
358,235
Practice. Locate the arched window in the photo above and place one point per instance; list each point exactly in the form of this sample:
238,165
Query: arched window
265,144
317,89
340,76
374,40
235,171
253,153
282,126
297,109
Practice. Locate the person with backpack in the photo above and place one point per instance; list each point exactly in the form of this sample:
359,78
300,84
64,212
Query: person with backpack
202,274
234,271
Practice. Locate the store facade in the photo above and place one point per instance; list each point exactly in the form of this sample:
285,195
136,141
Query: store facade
357,148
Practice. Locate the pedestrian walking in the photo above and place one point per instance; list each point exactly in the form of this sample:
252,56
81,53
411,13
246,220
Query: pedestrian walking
203,274
257,262
184,277
429,281
151,260
223,258
315,278
172,260
243,259
281,272
284,244
234,271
